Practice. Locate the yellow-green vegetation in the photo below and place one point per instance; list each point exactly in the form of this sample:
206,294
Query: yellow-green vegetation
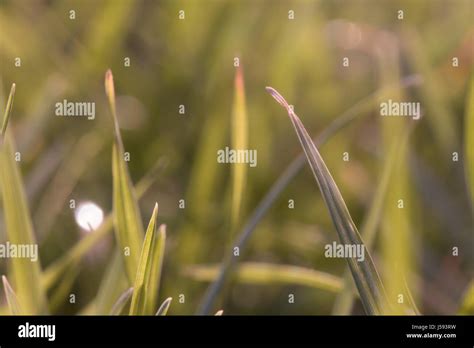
189,80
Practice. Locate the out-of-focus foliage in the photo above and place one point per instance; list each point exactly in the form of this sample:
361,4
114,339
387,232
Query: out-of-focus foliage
188,59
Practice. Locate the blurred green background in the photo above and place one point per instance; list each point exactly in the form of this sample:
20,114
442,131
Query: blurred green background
191,62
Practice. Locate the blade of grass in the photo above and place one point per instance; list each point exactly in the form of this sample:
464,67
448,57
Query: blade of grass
152,245
163,310
122,301
267,273
26,274
11,297
127,219
361,108
364,273
154,278
8,111
239,142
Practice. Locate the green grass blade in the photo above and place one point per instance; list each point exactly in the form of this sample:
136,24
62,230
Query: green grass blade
127,219
122,301
26,274
154,277
163,310
469,140
364,273
239,142
267,274
11,297
152,245
8,111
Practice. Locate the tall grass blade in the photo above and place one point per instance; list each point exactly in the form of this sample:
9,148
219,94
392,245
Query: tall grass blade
364,273
152,250
267,274
163,310
26,274
11,297
127,219
8,111
239,142
154,278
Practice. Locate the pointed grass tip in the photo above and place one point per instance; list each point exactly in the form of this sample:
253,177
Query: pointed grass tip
278,97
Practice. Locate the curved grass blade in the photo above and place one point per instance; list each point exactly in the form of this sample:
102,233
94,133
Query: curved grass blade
163,310
127,219
361,108
26,274
364,273
152,250
122,301
11,297
267,273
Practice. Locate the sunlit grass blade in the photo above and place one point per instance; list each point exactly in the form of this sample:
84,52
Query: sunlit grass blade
26,274
469,140
152,250
8,111
154,277
163,310
122,301
361,109
127,219
364,273
219,313
239,142
267,274
11,297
